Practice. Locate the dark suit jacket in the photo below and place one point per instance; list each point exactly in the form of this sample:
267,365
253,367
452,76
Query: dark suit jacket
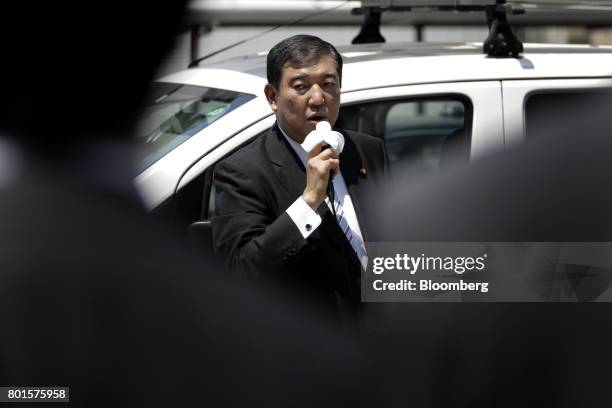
257,237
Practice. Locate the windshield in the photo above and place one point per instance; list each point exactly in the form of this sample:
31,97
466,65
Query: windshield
174,112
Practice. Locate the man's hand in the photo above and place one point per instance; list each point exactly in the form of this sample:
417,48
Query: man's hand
318,167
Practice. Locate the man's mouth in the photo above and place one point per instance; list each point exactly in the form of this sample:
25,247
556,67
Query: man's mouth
317,118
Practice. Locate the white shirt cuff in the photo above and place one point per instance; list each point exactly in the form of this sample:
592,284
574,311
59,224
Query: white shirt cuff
304,217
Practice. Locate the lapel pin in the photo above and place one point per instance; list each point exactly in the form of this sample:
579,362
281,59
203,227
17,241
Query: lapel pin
363,173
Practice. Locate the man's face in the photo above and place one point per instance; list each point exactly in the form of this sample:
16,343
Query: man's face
306,96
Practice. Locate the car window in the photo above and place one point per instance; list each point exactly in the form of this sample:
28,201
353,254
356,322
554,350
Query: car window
422,133
552,111
173,113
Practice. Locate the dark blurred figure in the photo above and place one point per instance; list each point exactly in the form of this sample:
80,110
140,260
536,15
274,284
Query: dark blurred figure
92,294
556,187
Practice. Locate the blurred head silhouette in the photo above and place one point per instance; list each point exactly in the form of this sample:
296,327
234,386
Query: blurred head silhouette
116,308
71,69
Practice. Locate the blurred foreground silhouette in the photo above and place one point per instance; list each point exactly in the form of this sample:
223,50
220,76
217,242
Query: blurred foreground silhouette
554,188
93,294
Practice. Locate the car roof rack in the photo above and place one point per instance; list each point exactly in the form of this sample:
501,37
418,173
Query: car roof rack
501,41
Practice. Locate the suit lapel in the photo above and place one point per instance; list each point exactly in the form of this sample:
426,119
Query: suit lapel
289,169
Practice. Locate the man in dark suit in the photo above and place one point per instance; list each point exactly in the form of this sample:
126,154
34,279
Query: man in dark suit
274,219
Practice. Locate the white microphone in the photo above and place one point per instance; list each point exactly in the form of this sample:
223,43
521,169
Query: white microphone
334,140
323,133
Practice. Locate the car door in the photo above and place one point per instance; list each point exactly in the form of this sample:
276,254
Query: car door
424,126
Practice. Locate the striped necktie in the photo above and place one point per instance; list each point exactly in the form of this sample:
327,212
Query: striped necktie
355,241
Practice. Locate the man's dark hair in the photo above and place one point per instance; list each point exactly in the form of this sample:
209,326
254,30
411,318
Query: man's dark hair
297,52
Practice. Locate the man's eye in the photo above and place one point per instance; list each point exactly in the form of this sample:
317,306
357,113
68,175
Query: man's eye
299,87
329,84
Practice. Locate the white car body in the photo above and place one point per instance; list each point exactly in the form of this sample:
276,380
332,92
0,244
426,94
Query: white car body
496,88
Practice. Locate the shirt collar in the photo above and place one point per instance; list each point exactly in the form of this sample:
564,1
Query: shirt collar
302,154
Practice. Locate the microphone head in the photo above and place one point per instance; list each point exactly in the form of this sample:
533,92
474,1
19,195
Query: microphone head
323,126
323,132
338,143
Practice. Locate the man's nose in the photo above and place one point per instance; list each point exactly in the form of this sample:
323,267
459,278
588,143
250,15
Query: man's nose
315,97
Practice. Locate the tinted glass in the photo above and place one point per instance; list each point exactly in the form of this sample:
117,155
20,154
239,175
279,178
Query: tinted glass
173,113
421,133
552,113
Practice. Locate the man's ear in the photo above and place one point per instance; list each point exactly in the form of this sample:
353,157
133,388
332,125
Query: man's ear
270,96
